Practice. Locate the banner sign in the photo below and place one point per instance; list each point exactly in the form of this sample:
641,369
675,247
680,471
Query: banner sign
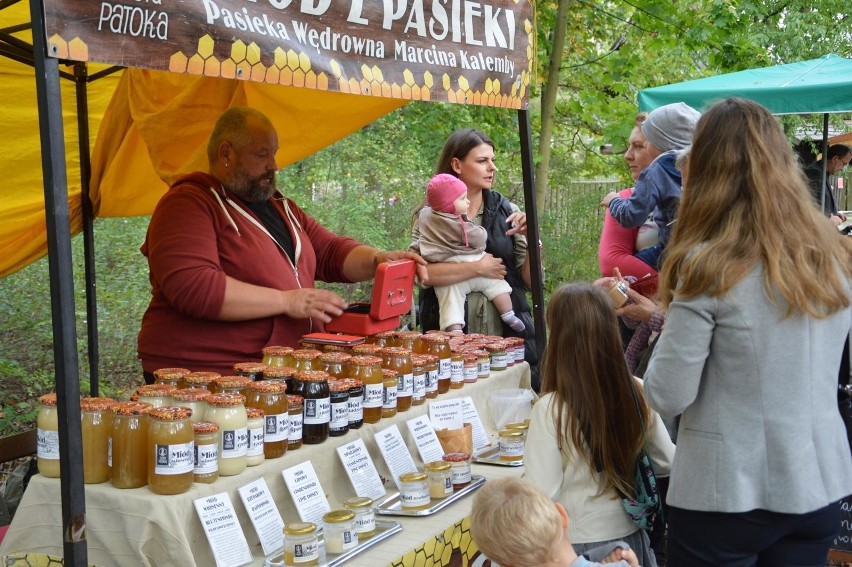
466,51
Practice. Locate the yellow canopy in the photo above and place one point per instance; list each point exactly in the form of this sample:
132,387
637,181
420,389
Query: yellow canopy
147,127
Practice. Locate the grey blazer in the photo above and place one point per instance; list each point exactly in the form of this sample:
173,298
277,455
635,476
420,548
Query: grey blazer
758,393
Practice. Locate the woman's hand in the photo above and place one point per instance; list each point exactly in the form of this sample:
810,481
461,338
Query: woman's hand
419,263
640,310
518,222
490,267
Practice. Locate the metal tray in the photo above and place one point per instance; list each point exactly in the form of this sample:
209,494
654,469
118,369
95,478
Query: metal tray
384,530
491,456
392,506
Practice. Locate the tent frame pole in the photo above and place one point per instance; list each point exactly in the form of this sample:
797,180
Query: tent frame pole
61,271
824,160
533,236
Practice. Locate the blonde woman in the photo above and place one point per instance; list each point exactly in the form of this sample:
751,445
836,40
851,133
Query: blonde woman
757,286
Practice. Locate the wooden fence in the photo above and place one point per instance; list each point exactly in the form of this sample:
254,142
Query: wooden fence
574,210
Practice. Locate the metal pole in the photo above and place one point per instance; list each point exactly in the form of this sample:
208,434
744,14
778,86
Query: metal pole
824,160
533,237
81,84
61,294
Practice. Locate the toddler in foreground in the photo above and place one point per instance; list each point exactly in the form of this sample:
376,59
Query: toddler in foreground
517,525
446,235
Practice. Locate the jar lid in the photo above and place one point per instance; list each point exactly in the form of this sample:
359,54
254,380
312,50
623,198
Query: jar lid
335,357
365,360
190,394
456,457
233,381
499,346
358,502
354,382
367,349
470,357
437,466
170,413
155,389
414,476
312,376
430,337
338,516
268,387
205,427
279,372
294,400
170,373
300,528
249,367
389,374
254,413
396,351
305,354
96,404
512,433
48,399
200,378
274,350
225,400
131,408
517,425
338,386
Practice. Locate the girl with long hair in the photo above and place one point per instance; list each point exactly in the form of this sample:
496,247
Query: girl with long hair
591,423
757,286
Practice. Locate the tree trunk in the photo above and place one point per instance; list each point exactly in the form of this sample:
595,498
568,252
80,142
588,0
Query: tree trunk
548,103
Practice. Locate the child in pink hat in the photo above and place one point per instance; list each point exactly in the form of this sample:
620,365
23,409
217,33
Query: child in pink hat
446,235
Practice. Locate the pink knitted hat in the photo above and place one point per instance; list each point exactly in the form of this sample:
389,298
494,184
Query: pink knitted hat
442,190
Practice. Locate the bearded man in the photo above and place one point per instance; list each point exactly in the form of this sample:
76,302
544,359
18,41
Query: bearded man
233,262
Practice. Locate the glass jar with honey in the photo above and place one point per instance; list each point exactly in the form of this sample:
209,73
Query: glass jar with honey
229,413
301,544
399,359
47,436
206,461
382,338
157,395
255,425
253,370
439,345
96,428
317,406
390,380
129,444
368,369
271,397
499,357
456,370
418,379
365,518
432,373
282,374
171,450
304,359
201,380
233,385
171,376
335,363
471,367
356,403
192,398
296,411
408,339
339,392
274,355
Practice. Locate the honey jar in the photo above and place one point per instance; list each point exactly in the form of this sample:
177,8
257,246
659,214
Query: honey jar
193,398
339,531
171,376
365,518
511,445
418,379
440,480
157,395
339,393
459,469
252,370
276,356
96,427
229,413
356,403
303,359
390,379
317,406
201,380
255,426
399,359
47,436
368,370
414,491
171,450
271,397
296,411
301,544
206,462
335,363
233,385
129,444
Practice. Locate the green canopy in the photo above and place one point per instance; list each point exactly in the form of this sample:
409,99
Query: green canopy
816,86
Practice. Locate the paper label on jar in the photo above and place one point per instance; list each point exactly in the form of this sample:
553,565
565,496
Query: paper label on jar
418,386
365,523
206,459
295,427
255,446
174,459
519,353
414,497
47,441
511,448
373,394
389,399
470,374
499,360
457,371
484,367
356,411
109,451
431,380
405,386
234,443
460,473
317,411
445,368
340,415
277,427
306,552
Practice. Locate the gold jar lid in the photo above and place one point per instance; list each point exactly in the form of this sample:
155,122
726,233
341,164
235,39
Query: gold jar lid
512,434
358,502
338,516
300,528
437,466
520,425
414,476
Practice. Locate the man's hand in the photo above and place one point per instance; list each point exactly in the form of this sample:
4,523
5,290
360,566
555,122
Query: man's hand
313,303
608,198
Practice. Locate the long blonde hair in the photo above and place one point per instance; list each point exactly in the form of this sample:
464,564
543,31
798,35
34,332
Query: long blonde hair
747,203
585,369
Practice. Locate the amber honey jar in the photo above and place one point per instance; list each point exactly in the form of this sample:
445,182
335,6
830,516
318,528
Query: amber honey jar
335,363
271,397
157,395
456,370
418,379
304,359
282,374
206,462
459,469
368,369
431,364
96,428
408,339
439,345
201,380
382,338
301,544
296,410
129,444
171,450
399,359
367,349
317,406
229,413
390,380
277,356
253,370
171,376
192,398
47,436
233,385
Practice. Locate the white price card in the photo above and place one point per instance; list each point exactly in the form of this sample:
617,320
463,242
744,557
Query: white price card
223,530
308,496
425,438
471,416
446,414
361,469
264,515
395,452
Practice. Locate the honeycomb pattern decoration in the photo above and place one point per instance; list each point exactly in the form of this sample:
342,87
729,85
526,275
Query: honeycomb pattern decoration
295,69
32,560
453,547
